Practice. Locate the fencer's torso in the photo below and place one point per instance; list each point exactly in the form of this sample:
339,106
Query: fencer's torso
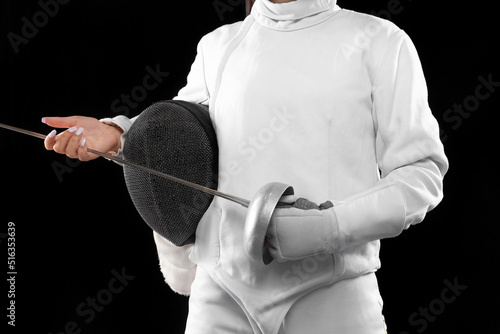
291,101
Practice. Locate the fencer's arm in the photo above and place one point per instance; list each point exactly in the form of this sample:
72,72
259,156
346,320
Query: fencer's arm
411,160
124,123
409,153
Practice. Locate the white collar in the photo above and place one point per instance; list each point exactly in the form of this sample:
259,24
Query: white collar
293,15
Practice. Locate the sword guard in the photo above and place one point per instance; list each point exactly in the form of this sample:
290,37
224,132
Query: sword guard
259,215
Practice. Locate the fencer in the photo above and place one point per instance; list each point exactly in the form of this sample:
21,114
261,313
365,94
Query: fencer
330,101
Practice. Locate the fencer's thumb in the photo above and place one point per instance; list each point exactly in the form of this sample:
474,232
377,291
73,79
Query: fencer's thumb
60,122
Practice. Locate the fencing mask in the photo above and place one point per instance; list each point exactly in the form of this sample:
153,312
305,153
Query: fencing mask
177,138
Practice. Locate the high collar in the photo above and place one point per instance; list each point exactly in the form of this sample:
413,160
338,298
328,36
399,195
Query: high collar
293,15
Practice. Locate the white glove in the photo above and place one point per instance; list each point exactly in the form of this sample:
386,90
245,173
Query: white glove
304,230
307,230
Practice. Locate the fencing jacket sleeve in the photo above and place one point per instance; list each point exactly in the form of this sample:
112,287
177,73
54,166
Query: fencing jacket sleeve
409,154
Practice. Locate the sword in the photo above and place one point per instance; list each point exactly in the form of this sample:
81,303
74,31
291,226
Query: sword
235,199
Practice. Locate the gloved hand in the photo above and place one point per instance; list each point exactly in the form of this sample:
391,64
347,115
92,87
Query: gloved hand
305,229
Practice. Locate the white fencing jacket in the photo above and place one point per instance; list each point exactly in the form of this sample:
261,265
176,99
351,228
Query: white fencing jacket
331,102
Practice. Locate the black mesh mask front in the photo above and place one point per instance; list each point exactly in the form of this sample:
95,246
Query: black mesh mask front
177,138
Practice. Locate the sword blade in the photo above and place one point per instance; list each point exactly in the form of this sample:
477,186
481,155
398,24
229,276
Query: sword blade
236,199
23,131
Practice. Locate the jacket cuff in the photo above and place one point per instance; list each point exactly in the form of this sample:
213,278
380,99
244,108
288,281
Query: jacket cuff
175,265
122,122
375,214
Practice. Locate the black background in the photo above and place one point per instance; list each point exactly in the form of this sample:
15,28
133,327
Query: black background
72,231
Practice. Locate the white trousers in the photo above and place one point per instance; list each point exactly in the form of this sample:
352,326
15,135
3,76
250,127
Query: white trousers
352,306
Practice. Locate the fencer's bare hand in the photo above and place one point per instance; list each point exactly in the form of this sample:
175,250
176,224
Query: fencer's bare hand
81,132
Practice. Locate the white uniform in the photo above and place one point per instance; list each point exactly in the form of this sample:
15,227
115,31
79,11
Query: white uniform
333,103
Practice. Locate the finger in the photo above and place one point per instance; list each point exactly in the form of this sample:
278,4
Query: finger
60,122
83,155
74,143
50,140
63,139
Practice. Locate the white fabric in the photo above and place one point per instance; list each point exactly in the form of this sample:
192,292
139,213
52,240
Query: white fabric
124,123
178,270
352,306
321,102
294,234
